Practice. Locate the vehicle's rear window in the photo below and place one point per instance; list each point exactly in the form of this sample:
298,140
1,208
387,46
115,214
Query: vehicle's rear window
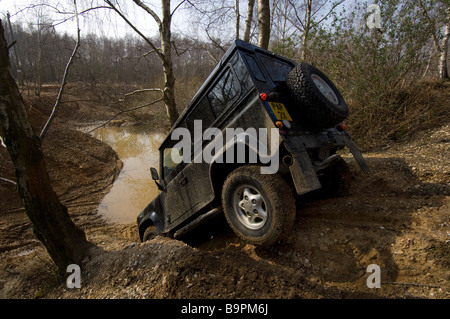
277,69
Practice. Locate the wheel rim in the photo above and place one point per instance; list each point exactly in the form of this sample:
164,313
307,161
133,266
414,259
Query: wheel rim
250,207
325,89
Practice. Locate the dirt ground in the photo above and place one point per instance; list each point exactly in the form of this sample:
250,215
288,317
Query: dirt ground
397,216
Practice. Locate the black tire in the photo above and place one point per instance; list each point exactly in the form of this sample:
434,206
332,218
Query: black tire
320,102
150,233
335,180
269,211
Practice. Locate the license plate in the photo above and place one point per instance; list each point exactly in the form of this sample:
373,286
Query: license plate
279,110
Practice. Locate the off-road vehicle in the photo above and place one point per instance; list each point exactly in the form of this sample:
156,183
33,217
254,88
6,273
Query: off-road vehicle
252,88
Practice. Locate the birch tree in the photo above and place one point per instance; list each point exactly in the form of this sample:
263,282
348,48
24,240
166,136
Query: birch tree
248,20
433,26
263,23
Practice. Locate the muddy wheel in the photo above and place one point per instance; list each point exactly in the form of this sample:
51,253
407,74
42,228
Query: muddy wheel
149,233
259,208
316,96
335,180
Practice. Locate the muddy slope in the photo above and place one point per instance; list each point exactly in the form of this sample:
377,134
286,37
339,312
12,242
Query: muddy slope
397,217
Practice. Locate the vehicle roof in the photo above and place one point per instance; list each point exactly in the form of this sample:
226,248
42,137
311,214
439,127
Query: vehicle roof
236,45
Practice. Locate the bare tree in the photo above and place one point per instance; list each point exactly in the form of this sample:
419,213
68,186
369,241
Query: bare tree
164,53
64,79
64,241
264,23
442,47
42,25
307,27
16,59
238,17
443,67
248,20
304,16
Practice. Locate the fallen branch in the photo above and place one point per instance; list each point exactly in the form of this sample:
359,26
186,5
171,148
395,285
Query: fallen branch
8,181
63,83
124,111
144,90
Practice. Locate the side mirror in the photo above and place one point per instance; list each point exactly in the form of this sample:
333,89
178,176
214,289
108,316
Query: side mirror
155,177
154,172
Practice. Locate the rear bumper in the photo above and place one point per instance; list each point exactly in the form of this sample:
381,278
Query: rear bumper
303,170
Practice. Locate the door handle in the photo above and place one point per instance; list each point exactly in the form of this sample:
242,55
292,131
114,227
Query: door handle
183,181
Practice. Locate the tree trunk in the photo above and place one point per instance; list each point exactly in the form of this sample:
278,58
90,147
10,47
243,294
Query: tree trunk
64,241
443,70
166,50
264,23
38,66
441,48
238,16
306,31
248,20
164,54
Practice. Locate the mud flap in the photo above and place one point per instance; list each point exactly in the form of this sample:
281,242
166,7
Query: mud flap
357,154
303,173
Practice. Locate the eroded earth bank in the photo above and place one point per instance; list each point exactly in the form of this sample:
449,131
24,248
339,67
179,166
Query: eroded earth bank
397,216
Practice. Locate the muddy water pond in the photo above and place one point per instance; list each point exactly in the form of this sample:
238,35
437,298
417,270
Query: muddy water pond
134,188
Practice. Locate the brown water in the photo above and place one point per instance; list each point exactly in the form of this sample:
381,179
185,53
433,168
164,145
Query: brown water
134,187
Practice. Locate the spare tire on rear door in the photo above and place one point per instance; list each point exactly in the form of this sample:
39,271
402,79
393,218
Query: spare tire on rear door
320,102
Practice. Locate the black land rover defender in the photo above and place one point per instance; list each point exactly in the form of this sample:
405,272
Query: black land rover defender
251,89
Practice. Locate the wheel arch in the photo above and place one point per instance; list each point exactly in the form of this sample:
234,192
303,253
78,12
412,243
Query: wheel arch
218,171
149,218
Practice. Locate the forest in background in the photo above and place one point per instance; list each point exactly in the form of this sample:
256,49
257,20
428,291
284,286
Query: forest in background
383,69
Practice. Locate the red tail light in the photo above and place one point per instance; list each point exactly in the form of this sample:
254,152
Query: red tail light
341,127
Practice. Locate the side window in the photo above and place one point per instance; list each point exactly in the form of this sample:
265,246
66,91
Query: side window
253,65
172,166
242,73
168,164
224,93
201,112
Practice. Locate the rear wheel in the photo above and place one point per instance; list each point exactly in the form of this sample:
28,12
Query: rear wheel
335,180
260,208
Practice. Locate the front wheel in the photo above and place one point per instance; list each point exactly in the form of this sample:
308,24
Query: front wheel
259,208
150,233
